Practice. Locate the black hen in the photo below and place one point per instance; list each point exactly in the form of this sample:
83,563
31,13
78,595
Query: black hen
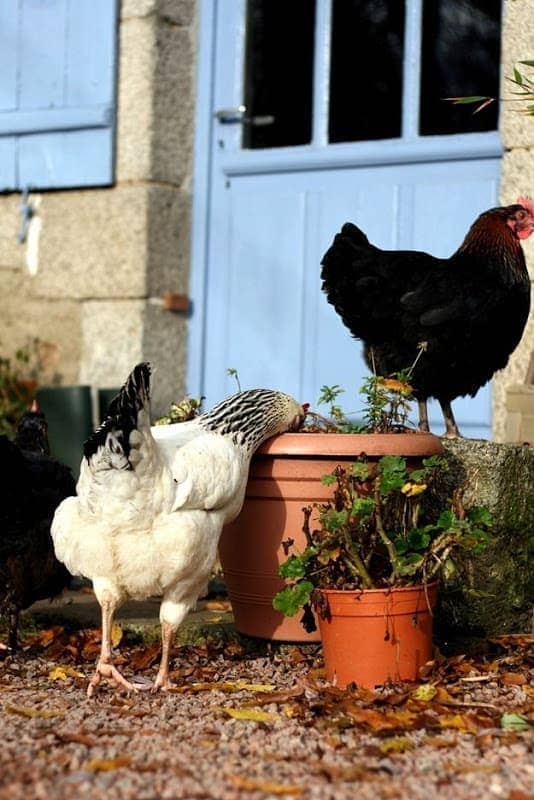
467,312
33,485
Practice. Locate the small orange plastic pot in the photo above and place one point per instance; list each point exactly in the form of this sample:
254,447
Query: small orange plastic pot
375,636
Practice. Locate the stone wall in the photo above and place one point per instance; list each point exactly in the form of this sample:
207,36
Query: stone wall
89,281
517,134
493,592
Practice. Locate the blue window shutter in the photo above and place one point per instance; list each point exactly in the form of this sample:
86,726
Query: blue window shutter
57,93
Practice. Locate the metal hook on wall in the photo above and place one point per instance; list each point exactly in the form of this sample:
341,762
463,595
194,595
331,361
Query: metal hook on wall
26,213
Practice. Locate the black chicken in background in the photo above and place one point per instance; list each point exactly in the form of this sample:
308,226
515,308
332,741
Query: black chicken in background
33,485
465,314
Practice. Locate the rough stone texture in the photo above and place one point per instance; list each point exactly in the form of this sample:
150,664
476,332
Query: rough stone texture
518,37
173,105
55,357
11,251
135,331
495,596
94,244
134,108
168,227
156,101
520,414
517,178
164,342
112,336
180,12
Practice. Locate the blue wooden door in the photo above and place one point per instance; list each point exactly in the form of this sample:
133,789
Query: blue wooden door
348,125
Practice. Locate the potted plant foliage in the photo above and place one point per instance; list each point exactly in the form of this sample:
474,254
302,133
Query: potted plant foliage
373,553
286,475
17,390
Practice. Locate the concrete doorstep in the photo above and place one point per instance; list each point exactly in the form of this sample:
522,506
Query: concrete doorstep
75,609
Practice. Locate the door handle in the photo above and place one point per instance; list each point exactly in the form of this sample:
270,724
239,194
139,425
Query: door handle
236,116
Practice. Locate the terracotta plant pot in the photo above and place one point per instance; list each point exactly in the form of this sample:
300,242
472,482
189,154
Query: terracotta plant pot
285,477
373,636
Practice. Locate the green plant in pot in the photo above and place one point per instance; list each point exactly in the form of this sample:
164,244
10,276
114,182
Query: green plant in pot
371,564
285,476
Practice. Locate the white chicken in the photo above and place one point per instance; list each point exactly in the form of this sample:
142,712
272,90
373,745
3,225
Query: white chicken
152,501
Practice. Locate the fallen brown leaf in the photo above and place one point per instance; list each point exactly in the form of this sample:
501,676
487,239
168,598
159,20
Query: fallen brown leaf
143,659
397,744
513,679
250,785
26,711
250,714
460,722
61,673
108,764
217,605
75,738
439,742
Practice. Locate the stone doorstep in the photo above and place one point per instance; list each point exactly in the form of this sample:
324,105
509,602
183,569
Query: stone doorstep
212,619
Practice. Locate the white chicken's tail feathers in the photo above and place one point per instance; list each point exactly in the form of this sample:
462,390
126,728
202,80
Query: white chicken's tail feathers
122,415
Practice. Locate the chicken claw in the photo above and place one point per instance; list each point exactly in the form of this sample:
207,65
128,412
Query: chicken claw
105,670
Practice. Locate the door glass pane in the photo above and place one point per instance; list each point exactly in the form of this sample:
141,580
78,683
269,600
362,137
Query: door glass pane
460,57
366,70
278,72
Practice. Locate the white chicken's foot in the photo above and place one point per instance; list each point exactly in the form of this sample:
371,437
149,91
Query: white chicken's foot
109,601
106,670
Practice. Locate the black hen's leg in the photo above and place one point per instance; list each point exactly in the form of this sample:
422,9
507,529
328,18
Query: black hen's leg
12,638
423,416
451,428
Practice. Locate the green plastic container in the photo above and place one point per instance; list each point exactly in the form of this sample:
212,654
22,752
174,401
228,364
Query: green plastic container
68,410
105,396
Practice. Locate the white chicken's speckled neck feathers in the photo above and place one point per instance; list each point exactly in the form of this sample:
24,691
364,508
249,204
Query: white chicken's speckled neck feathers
252,416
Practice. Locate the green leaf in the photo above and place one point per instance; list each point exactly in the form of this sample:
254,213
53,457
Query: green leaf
418,540
400,546
418,475
328,480
360,470
515,722
480,516
392,464
518,77
362,507
446,520
334,520
292,568
293,598
434,461
527,63
474,98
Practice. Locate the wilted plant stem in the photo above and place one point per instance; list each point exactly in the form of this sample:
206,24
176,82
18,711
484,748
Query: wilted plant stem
379,523
356,565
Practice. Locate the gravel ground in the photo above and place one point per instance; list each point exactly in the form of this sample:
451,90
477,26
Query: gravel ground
256,722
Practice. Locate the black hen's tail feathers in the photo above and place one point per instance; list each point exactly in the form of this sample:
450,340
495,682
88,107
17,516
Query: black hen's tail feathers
123,410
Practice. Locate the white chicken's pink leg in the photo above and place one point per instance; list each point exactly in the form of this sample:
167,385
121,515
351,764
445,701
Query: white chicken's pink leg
171,615
104,668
